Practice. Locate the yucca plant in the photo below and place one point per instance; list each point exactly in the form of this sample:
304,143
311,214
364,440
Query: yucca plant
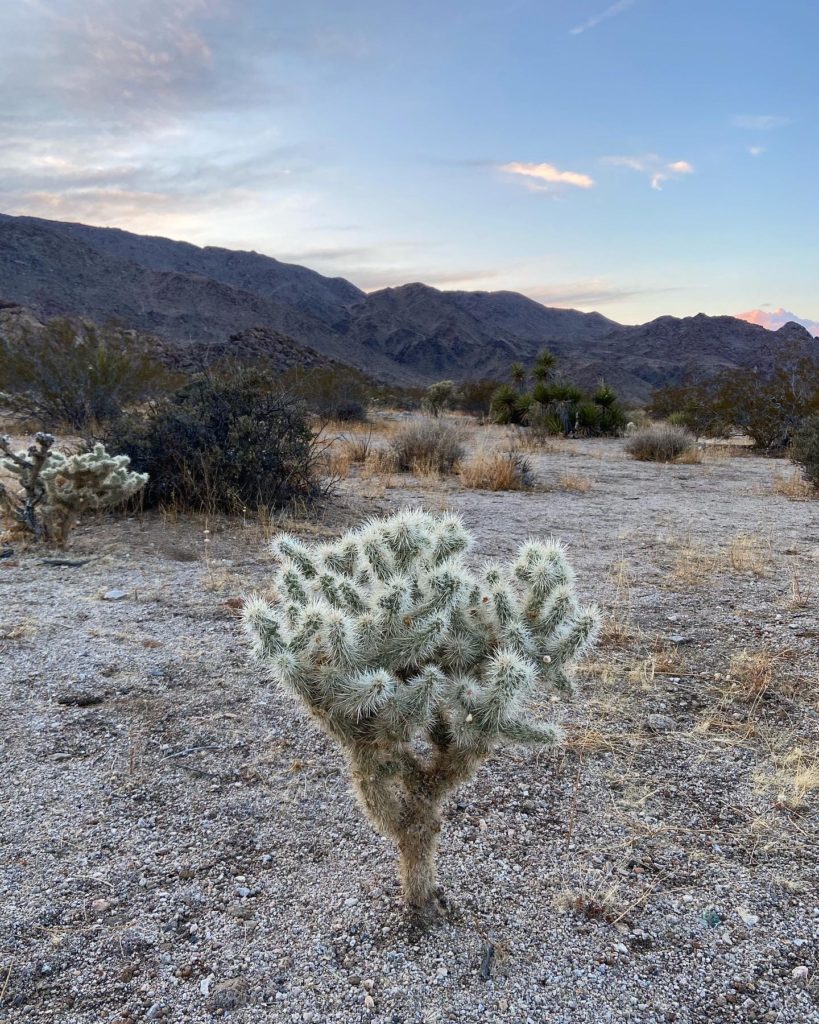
417,665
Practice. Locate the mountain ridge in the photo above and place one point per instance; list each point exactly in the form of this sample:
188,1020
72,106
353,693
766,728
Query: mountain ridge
408,334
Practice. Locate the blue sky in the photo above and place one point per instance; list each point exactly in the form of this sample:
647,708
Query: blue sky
640,157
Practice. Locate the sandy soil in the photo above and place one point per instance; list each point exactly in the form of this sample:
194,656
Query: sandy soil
178,845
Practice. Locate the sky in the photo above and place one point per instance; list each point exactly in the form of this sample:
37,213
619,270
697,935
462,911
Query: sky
641,157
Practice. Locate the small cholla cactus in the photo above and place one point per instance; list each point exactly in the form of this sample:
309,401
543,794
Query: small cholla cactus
416,665
55,488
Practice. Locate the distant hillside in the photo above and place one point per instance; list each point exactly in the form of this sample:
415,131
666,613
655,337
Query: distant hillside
195,297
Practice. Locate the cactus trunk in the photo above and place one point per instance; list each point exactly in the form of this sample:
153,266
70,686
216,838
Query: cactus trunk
417,841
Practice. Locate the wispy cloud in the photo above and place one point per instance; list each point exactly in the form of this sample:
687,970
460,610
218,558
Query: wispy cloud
657,169
760,122
756,150
610,12
595,291
540,177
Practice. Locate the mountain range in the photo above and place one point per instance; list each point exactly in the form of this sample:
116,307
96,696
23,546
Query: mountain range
193,297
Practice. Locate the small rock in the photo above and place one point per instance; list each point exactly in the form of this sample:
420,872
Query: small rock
747,917
369,1002
114,594
660,723
229,994
80,698
800,973
154,1011
100,906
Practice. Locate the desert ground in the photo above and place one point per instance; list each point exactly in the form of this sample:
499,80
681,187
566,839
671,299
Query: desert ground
179,845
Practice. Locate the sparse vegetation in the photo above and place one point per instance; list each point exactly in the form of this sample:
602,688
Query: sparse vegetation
224,442
334,393
768,403
427,445
660,442
475,396
77,376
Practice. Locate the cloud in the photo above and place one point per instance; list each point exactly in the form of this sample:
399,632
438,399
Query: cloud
776,318
656,168
756,150
538,177
610,12
594,291
760,122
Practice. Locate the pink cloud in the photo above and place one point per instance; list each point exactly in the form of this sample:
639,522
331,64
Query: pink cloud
540,176
775,318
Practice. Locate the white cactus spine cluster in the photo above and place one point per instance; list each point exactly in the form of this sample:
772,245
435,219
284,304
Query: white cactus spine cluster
387,638
54,488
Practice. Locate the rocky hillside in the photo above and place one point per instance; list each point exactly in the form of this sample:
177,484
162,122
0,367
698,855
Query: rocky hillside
204,297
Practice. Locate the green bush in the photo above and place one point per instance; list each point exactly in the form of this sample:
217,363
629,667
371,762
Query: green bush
804,449
660,442
427,445
223,442
331,393
76,375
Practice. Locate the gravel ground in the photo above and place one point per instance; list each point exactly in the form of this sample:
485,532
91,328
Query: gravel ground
178,845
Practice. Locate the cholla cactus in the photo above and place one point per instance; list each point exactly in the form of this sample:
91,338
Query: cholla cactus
395,647
55,488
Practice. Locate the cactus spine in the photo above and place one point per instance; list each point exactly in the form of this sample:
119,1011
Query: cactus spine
391,642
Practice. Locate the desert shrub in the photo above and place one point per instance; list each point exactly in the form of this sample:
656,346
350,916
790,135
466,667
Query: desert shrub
497,471
475,396
428,445
338,393
417,666
77,375
224,443
804,450
438,397
660,442
51,489
767,402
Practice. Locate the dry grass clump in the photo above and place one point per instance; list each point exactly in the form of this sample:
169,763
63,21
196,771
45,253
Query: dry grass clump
661,442
497,471
750,675
749,553
795,779
427,447
572,482
794,487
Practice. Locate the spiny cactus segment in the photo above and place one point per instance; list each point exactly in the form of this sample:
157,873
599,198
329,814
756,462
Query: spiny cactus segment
54,488
417,665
